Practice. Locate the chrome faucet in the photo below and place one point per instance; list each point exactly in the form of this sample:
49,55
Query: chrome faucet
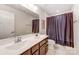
18,39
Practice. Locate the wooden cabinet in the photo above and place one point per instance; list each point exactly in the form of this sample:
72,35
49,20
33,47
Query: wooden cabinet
40,48
35,47
36,52
42,42
46,48
28,52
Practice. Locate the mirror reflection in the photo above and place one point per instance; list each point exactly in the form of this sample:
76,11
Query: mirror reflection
15,20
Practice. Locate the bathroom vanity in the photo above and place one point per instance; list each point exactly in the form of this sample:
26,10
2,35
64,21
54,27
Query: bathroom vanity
39,48
29,45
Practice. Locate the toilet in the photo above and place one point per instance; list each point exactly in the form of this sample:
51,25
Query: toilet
51,43
51,49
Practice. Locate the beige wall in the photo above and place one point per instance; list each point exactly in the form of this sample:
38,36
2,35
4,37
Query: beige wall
42,16
23,21
76,25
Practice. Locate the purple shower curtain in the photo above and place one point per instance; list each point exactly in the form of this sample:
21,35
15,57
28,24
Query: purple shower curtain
69,30
51,28
60,29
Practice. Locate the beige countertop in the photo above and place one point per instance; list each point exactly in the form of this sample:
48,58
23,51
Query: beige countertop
9,47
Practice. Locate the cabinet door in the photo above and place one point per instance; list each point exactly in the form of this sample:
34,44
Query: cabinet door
42,50
28,52
36,52
34,48
46,48
42,42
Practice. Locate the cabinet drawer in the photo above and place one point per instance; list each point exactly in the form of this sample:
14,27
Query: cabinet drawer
42,42
34,48
28,52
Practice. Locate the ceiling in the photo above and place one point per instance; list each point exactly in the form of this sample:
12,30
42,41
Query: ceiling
21,8
51,9
55,8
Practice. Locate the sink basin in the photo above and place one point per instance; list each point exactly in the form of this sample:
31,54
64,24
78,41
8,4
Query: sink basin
16,46
22,43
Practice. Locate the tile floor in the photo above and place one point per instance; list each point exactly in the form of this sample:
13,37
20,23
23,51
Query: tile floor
56,49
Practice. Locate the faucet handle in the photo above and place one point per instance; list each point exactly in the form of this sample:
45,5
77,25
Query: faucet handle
19,38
